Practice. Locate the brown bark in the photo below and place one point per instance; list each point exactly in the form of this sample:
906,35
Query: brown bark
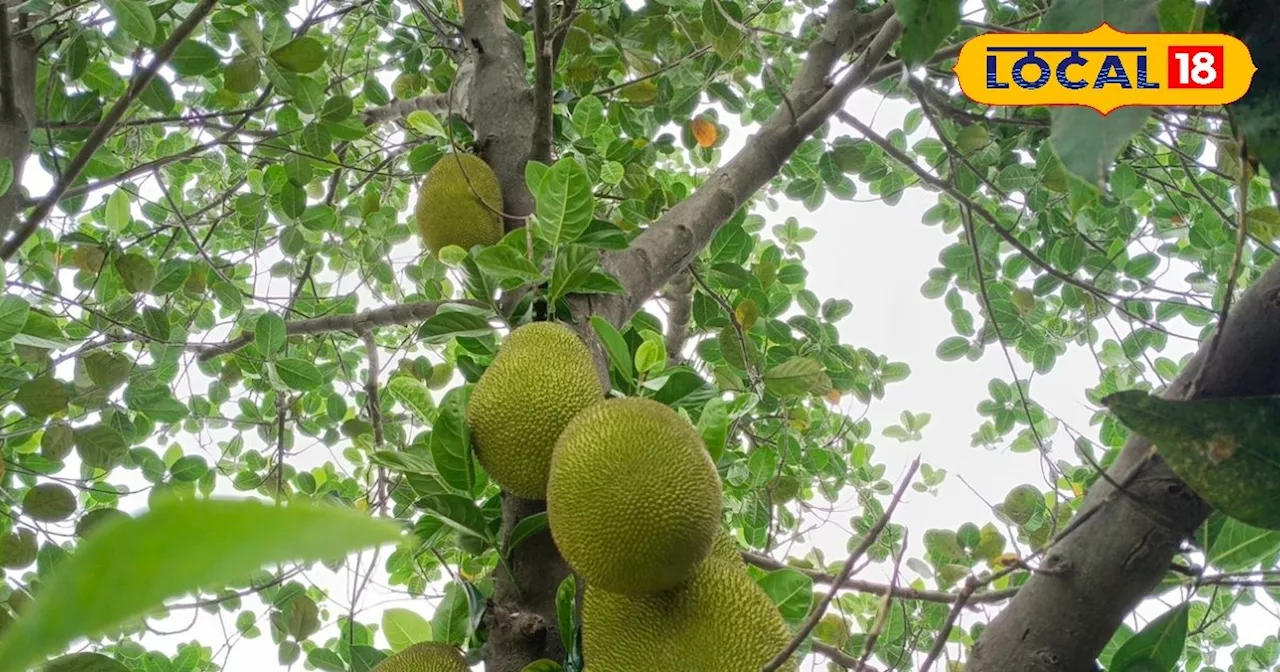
16,123
1060,621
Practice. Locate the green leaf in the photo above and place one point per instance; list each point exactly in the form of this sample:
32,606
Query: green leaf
1255,114
42,396
588,116
614,345
107,370
451,441
1236,547
158,96
413,395
1227,450
543,665
189,468
425,123
193,58
565,203
791,591
49,502
156,321
459,513
953,348
529,526
100,446
572,267
925,25
452,621
134,18
269,334
155,402
131,565
136,271
243,75
1157,647
404,628
1088,142
299,374
117,213
13,315
302,55
84,662
505,262
795,377
6,176
446,325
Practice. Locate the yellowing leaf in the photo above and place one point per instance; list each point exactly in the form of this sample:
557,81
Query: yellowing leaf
705,132
641,93
1005,560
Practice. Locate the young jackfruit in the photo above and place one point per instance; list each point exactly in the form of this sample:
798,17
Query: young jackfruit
542,376
425,657
722,621
449,210
634,500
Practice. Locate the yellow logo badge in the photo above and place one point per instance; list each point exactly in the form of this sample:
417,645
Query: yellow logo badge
1104,69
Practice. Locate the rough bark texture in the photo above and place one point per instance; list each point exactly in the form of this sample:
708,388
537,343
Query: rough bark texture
1061,622
15,125
522,618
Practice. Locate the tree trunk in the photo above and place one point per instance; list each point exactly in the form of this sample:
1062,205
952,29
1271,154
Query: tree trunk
1060,621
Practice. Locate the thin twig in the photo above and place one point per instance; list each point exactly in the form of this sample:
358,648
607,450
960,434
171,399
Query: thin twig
873,588
871,537
400,313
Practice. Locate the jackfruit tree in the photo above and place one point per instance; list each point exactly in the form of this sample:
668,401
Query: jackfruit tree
630,336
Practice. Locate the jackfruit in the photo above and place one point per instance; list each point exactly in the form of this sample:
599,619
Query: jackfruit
448,209
542,376
722,621
725,548
634,499
425,657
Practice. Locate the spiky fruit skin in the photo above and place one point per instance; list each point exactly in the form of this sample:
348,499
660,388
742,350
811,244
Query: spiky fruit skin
542,376
448,211
726,549
425,657
722,621
634,499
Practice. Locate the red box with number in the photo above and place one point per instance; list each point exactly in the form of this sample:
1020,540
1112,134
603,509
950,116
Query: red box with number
1195,67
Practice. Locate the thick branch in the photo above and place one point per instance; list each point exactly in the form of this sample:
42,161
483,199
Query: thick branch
15,127
358,323
8,104
679,311
435,103
102,131
543,82
1112,561
680,234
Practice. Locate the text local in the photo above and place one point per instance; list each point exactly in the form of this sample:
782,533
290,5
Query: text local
1112,71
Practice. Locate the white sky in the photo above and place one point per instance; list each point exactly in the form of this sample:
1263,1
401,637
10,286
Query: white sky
873,255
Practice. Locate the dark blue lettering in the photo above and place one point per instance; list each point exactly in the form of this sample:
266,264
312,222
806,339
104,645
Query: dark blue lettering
1074,59
1142,75
1022,63
1112,73
992,81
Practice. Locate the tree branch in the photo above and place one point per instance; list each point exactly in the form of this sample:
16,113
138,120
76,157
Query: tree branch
19,52
435,103
357,323
873,588
679,311
1124,545
845,572
841,658
678,236
103,130
8,104
543,82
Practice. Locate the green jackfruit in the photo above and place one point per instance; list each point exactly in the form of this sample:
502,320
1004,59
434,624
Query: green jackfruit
722,621
634,499
725,548
425,657
542,376
448,210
